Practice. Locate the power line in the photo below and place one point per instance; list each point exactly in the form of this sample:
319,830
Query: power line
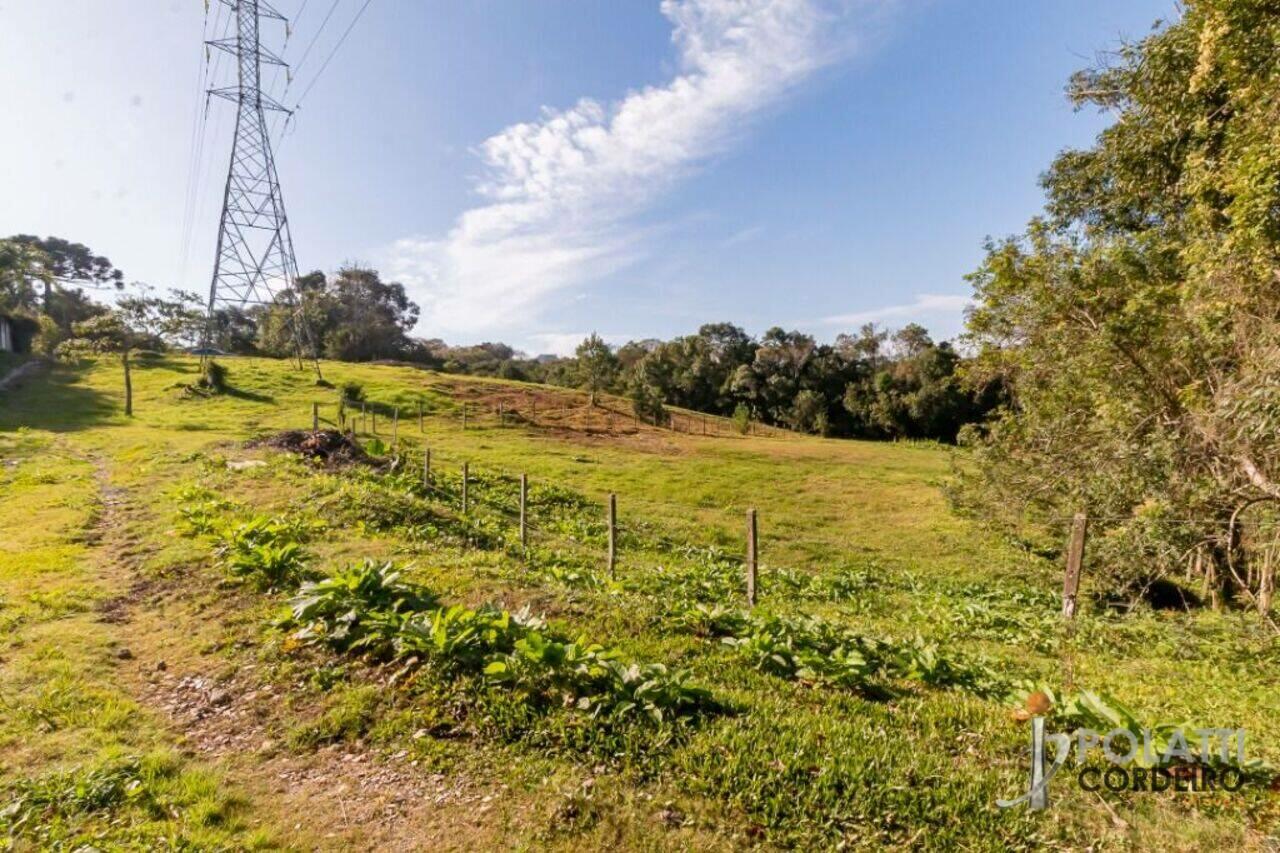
199,133
315,38
335,50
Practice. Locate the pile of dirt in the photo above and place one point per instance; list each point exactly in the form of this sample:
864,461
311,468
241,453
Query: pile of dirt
327,445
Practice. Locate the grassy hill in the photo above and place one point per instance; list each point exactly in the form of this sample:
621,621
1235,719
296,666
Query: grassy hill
154,690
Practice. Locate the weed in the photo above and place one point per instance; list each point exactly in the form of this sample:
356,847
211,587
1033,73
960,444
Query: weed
264,550
358,608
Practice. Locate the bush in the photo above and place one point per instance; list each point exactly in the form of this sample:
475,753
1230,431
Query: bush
742,418
358,608
265,551
367,608
351,392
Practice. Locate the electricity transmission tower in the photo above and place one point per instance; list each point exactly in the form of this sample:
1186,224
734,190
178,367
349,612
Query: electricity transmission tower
255,263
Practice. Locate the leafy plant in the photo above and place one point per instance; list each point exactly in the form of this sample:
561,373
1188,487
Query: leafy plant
264,550
351,392
358,608
199,510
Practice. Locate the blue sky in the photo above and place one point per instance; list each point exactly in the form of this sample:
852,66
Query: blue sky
534,170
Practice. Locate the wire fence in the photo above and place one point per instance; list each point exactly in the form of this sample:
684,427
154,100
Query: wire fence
603,539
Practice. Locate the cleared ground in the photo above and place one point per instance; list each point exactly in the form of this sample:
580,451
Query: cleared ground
149,697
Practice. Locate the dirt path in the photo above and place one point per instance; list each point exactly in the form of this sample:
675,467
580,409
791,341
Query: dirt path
221,711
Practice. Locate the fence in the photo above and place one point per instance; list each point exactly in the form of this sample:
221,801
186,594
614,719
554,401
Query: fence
367,423
603,416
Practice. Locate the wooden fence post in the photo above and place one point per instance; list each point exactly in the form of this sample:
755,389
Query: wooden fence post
502,415
613,536
420,426
374,416
426,468
464,415
752,553
395,427
464,488
524,520
128,385
315,417
1075,564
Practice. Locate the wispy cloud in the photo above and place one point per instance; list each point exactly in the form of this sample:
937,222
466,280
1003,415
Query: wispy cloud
560,193
924,304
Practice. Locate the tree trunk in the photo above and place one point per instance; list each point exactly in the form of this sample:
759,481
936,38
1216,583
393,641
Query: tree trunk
128,386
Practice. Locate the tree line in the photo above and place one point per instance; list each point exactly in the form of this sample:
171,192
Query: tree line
872,384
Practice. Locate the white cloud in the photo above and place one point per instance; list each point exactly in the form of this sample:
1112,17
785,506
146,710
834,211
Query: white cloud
559,191
925,303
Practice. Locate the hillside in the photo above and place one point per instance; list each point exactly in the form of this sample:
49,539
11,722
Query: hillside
154,692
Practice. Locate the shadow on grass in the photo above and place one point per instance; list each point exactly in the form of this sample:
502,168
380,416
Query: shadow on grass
241,394
58,400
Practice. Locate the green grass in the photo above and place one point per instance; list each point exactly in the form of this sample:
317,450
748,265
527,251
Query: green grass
856,539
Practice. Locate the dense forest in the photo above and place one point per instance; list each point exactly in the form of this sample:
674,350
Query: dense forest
873,384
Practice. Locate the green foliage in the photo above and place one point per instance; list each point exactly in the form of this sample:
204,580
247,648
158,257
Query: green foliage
368,609
815,651
597,366
129,800
742,418
264,550
358,608
1135,319
353,316
646,402
200,511
351,392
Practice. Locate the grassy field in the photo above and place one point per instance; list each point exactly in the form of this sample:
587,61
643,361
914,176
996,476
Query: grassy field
156,691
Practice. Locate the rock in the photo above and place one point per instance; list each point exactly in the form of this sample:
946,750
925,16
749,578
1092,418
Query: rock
124,654
219,697
245,464
161,666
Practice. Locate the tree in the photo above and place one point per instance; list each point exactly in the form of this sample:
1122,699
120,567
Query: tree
22,266
63,262
355,316
597,366
178,320
1135,321
644,386
806,411
107,332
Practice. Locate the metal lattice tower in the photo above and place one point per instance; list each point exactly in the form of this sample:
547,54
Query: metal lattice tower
255,263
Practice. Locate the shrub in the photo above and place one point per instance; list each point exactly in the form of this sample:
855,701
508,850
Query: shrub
367,608
351,392
742,418
359,608
264,550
